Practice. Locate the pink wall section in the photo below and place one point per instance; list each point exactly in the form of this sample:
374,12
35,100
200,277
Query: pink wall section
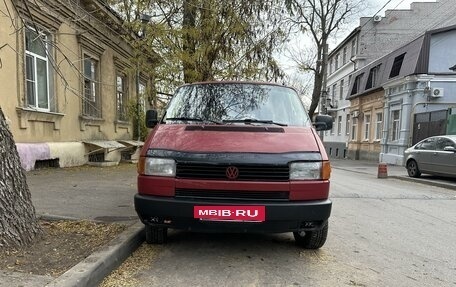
29,153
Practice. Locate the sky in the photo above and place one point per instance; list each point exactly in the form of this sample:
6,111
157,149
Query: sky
400,4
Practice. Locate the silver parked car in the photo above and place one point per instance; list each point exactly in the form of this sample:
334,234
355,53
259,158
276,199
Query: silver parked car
434,155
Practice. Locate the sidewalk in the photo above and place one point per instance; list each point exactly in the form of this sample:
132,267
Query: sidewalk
394,171
106,194
91,193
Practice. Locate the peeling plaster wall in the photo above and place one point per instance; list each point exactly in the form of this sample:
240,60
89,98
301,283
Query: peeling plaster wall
68,153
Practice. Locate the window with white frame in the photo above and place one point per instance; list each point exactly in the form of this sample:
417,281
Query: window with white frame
331,66
334,92
354,131
353,48
333,126
339,125
344,56
347,125
91,99
378,126
372,80
395,124
37,76
122,97
337,62
357,84
341,95
367,122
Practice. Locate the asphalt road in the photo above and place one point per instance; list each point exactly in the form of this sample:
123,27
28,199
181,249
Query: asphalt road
383,232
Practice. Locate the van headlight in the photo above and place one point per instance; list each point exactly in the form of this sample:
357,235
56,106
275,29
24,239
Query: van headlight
306,170
159,166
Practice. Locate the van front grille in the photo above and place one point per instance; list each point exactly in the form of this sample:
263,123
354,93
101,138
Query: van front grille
231,194
219,172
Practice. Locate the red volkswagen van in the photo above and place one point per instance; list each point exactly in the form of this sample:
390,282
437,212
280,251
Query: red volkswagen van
235,157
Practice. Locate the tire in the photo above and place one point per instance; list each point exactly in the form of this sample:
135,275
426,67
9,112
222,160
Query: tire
156,235
312,239
412,169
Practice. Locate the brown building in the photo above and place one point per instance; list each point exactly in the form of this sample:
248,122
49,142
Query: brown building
68,79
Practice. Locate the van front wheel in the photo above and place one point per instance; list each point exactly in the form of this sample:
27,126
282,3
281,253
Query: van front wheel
311,239
156,235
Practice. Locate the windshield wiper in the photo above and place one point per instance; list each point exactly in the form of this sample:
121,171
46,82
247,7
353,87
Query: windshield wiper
248,121
187,119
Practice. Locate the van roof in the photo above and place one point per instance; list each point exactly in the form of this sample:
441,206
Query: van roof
238,82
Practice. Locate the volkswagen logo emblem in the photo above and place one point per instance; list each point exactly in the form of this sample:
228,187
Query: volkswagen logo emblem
232,172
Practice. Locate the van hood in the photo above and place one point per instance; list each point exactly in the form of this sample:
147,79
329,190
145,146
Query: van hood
233,138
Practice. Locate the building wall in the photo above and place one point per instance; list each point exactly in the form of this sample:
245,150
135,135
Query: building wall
60,132
399,27
365,146
413,95
376,39
336,142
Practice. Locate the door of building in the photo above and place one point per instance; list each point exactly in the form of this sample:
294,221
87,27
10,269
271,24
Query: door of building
429,124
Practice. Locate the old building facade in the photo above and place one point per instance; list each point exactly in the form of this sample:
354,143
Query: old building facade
409,93
68,79
374,38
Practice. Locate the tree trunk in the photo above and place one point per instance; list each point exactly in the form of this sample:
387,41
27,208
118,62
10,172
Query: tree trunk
18,223
189,45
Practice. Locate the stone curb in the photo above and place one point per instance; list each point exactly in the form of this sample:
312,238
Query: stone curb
92,270
425,181
406,178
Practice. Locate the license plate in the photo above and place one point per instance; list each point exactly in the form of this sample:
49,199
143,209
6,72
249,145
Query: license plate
230,213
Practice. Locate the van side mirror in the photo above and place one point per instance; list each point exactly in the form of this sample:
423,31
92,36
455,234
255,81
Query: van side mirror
151,118
323,122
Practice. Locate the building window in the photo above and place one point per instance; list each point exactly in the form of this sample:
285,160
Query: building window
372,80
122,98
353,48
37,69
337,62
356,85
344,56
354,128
91,100
339,125
341,95
347,125
395,125
378,126
333,128
397,64
331,66
333,95
367,122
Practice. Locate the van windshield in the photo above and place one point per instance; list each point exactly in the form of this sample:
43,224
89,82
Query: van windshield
237,103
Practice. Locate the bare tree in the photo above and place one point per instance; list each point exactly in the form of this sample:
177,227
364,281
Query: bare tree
319,19
18,222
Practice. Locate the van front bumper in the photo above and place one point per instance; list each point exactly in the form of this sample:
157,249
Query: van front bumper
286,216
